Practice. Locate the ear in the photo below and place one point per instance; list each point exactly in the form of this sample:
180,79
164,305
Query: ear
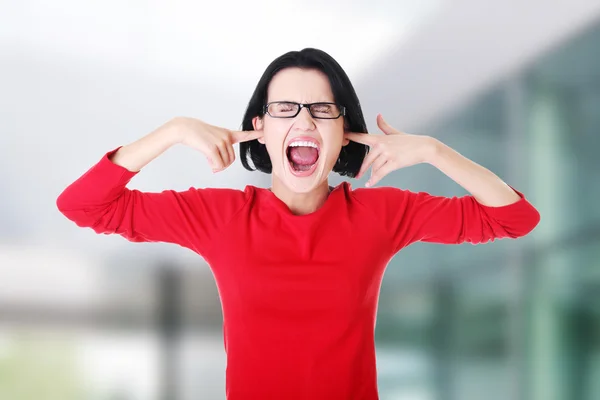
257,123
346,141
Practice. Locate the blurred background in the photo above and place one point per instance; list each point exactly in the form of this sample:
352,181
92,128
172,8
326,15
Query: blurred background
513,85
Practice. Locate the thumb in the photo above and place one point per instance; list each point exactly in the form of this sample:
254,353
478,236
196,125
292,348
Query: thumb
384,126
245,136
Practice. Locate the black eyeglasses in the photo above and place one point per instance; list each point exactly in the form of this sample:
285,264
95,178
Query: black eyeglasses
289,109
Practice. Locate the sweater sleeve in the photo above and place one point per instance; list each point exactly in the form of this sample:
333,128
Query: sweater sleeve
100,200
409,217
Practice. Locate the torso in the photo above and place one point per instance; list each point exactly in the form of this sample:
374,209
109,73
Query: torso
299,296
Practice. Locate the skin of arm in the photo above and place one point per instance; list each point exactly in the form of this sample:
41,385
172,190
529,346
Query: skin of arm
487,188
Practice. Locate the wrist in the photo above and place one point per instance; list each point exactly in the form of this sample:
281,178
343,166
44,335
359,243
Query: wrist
431,150
174,131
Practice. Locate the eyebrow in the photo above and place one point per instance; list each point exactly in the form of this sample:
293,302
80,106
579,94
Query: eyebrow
301,102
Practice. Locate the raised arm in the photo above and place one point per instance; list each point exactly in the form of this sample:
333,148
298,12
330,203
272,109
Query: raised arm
409,217
100,200
493,209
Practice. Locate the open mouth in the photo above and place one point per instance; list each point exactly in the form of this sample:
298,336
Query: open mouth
303,156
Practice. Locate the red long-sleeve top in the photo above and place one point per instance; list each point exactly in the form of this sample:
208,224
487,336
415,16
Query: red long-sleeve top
299,293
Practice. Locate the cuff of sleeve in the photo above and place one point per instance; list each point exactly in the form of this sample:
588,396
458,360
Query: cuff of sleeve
517,203
107,171
109,167
521,210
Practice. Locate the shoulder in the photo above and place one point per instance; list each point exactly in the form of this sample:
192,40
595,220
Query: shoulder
380,201
220,198
225,193
382,194
388,201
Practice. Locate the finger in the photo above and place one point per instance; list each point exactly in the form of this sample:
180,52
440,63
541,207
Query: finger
363,138
385,127
380,173
369,159
231,153
216,160
223,151
378,163
245,136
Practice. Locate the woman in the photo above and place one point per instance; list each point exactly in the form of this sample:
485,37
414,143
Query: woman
299,265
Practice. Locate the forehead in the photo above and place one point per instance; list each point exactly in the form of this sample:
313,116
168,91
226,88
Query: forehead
300,85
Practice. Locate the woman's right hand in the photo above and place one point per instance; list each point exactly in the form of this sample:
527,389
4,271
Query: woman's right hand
214,142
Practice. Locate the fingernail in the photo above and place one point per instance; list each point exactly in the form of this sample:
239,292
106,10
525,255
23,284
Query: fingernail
368,184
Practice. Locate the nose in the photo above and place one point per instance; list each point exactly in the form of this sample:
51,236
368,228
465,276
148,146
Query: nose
304,120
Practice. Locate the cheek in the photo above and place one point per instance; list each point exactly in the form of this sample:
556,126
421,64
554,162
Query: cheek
332,154
334,138
273,138
275,129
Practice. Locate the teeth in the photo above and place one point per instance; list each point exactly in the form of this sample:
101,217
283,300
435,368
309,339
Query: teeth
303,144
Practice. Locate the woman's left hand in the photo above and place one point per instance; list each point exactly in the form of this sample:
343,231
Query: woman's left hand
391,151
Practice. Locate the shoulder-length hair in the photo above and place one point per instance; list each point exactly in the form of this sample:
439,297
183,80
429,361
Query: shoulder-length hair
352,155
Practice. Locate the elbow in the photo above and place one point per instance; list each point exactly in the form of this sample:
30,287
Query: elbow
73,210
536,217
102,218
530,217
67,204
528,223
514,227
71,213
62,202
534,220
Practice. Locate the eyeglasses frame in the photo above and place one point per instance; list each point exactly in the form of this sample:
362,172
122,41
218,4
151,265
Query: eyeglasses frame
304,105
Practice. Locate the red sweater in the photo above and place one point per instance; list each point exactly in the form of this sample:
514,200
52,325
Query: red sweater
299,293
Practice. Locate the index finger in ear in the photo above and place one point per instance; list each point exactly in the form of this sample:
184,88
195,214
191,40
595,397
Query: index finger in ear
363,138
245,136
